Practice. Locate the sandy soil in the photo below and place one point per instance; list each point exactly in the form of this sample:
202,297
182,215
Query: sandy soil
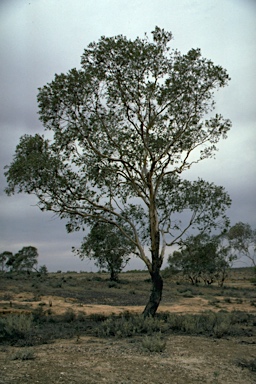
59,305
186,360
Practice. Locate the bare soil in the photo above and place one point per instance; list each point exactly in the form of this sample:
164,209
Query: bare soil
92,360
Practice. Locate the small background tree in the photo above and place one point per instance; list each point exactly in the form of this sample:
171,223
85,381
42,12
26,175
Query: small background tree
243,239
203,257
108,247
23,260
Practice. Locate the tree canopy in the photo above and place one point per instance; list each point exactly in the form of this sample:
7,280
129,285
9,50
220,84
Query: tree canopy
108,247
243,239
203,257
125,127
24,260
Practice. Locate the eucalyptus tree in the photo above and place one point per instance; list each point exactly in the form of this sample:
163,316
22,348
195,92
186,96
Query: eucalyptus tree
242,238
24,260
108,247
125,127
203,257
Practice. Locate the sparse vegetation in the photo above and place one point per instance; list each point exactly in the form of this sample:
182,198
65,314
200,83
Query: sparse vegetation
154,343
36,322
16,326
247,363
23,354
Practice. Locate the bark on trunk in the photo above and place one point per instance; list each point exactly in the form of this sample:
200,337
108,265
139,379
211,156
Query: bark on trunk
155,296
113,275
154,270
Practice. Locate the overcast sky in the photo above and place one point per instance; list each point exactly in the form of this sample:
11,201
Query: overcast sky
39,38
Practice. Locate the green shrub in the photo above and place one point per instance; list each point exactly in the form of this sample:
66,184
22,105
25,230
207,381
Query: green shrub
97,317
227,300
39,314
81,316
16,326
210,323
130,325
23,354
68,316
247,363
113,284
154,343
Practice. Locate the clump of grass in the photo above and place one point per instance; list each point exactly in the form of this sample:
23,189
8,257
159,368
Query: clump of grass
227,300
247,363
209,323
68,316
16,326
155,343
113,284
128,325
97,317
214,302
23,354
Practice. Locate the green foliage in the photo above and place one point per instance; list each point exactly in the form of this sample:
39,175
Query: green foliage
247,363
243,239
24,260
69,316
204,258
129,325
208,323
108,247
16,326
43,270
155,343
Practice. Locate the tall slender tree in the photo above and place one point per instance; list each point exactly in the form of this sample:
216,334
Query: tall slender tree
125,127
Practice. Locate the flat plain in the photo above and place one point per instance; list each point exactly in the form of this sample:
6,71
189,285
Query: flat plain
82,328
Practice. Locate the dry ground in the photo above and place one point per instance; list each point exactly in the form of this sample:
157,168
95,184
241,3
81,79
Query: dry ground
91,360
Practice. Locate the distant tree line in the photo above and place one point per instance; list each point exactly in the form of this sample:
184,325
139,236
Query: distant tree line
25,260
208,259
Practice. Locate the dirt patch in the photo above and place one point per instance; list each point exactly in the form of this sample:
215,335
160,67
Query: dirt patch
24,302
185,360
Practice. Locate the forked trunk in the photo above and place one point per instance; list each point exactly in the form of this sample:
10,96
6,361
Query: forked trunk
156,294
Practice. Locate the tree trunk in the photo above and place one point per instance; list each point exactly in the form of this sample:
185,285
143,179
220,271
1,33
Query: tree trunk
156,294
154,270
113,275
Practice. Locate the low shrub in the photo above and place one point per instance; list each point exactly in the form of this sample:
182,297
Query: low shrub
113,284
130,325
68,316
209,323
16,326
247,363
155,343
23,354
227,300
97,317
